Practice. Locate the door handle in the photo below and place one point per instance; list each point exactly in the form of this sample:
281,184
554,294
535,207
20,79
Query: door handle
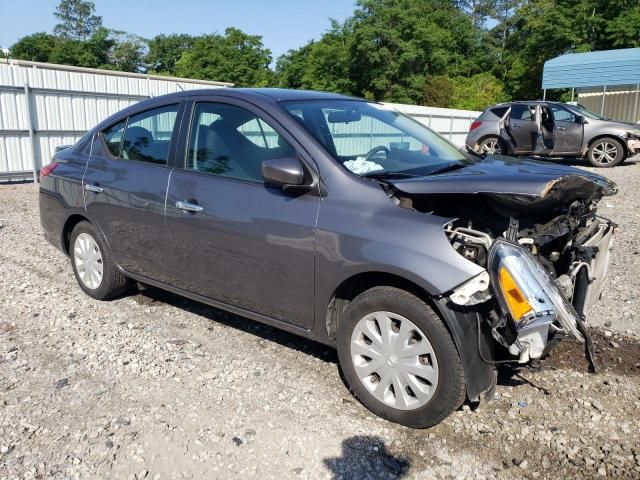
189,207
562,129
93,188
515,126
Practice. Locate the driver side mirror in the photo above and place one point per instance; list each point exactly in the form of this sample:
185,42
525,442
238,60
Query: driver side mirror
581,119
286,172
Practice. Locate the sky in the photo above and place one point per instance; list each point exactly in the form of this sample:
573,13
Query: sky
283,24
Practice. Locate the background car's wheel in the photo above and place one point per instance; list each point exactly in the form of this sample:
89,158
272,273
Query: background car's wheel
605,152
93,266
490,145
399,359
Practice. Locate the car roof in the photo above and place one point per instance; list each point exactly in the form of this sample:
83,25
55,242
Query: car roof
273,94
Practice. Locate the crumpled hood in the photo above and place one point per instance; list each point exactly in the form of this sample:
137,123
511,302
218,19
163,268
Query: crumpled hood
515,181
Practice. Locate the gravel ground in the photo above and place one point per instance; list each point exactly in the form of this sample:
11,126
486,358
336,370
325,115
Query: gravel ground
156,386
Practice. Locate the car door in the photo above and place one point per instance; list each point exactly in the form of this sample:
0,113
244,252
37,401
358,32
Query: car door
522,127
125,186
569,131
229,236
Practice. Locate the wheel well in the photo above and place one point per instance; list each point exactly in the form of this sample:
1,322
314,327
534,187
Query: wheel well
354,286
600,137
69,225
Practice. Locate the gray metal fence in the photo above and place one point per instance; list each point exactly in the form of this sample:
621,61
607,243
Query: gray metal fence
44,106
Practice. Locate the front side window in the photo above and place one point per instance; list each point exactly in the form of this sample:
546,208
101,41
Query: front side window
230,141
145,137
562,115
368,138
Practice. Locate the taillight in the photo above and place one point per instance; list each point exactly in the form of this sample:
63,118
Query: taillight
47,169
475,125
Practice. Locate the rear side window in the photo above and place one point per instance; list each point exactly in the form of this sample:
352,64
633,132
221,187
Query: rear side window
499,111
145,137
521,112
113,137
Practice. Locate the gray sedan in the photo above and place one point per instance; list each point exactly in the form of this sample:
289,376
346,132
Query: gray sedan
553,129
342,221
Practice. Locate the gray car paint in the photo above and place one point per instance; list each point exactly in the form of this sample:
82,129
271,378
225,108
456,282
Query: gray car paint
582,134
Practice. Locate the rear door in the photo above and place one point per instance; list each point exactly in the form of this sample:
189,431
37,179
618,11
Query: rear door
568,130
125,186
522,127
229,236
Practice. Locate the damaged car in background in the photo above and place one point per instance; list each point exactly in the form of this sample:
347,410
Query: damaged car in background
342,221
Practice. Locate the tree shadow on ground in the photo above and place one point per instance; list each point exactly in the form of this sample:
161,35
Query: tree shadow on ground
366,456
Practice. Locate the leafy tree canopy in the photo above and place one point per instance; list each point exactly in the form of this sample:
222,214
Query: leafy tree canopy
77,19
233,57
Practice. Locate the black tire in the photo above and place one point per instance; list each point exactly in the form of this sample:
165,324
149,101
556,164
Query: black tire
487,142
113,282
450,390
597,159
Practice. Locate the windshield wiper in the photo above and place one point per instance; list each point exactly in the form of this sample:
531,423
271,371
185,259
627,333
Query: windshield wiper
447,168
384,175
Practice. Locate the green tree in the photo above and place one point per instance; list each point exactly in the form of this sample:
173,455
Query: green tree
438,91
291,67
36,47
165,51
624,30
77,19
127,53
93,53
233,57
477,92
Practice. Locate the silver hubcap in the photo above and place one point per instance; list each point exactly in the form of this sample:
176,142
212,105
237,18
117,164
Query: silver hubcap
88,260
394,360
604,153
490,146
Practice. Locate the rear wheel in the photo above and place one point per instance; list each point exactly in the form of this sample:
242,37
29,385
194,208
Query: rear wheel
399,359
490,145
605,153
93,266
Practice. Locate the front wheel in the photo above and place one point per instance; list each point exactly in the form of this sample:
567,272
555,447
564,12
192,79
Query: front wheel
399,359
605,153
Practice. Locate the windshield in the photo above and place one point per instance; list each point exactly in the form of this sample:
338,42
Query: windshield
372,140
587,113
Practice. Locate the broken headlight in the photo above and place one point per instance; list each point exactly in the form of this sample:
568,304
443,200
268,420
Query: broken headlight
635,133
526,291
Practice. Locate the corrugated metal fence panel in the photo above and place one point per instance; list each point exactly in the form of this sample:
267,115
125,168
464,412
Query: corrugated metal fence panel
65,102
450,123
618,105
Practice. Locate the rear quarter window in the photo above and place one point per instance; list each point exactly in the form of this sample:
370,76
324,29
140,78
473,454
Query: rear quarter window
499,111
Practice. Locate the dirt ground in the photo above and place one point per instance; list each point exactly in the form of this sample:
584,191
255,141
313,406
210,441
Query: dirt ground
155,386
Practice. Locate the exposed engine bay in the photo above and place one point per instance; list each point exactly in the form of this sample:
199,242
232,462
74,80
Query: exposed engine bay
545,257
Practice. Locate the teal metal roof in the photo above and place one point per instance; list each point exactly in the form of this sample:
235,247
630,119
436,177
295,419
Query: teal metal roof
592,69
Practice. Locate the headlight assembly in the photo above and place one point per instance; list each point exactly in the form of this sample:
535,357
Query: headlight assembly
526,291
634,133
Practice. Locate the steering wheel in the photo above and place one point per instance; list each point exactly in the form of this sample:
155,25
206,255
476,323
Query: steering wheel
374,150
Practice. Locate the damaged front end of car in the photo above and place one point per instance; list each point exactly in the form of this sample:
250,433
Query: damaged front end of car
543,247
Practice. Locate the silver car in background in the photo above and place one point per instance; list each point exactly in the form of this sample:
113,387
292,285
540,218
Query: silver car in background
553,129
